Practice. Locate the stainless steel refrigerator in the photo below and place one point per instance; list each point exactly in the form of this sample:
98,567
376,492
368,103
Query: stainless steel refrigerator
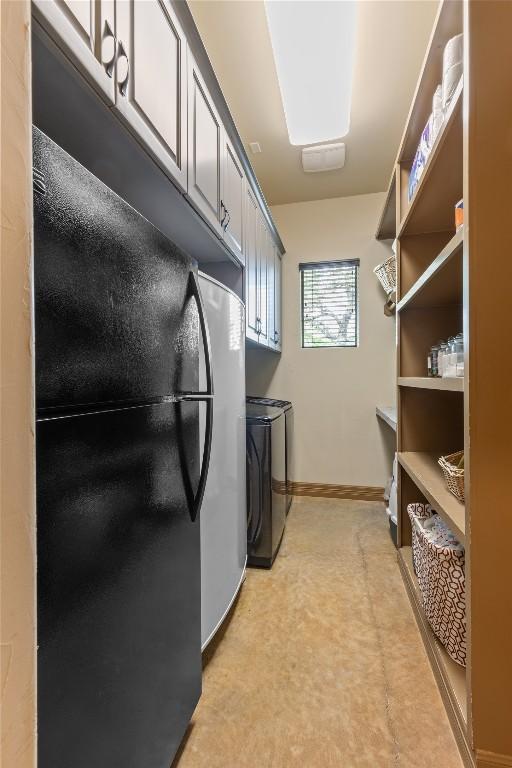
224,520
120,475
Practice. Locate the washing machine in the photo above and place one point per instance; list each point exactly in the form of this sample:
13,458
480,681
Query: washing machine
266,482
287,407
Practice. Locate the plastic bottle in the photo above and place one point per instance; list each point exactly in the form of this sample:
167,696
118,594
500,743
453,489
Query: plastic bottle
459,354
442,358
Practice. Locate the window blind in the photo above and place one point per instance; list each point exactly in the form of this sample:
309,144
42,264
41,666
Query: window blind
330,301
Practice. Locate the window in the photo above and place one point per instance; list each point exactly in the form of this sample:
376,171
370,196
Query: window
329,293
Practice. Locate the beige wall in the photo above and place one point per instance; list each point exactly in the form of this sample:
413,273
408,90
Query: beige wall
17,416
334,391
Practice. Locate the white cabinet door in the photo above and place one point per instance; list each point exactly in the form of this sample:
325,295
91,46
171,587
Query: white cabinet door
274,296
232,203
277,299
205,149
271,306
151,81
251,272
85,31
263,254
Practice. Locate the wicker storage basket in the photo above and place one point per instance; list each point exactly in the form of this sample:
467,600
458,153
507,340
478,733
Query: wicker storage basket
454,477
438,560
386,274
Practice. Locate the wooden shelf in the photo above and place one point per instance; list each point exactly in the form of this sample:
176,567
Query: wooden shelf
386,229
445,286
388,415
451,676
448,384
441,283
448,23
426,474
440,187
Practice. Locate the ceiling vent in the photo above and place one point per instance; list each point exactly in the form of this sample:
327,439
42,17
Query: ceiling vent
324,157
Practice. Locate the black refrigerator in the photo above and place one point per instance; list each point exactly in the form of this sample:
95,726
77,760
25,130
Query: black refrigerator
120,475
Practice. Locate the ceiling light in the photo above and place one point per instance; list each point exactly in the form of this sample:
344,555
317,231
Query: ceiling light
255,147
313,43
323,157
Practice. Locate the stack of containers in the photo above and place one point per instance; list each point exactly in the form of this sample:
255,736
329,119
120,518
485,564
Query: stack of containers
420,158
446,358
437,112
443,94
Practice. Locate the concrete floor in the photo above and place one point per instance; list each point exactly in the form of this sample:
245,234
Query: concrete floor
320,663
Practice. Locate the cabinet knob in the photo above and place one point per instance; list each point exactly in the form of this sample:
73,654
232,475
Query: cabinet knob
108,49
123,69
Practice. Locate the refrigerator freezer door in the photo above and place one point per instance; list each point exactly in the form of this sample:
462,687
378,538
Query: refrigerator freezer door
223,514
119,661
115,317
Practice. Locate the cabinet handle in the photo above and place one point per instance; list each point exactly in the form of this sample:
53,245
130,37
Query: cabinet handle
225,217
123,84
276,337
108,37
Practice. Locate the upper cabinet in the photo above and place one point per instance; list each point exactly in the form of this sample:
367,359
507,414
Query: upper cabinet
136,55
271,298
263,280
270,290
232,203
273,295
85,30
276,328
151,81
205,143
251,217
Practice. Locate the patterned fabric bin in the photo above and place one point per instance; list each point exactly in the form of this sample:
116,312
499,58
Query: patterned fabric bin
438,559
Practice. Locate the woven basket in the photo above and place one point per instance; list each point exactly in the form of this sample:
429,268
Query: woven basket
454,477
439,565
386,274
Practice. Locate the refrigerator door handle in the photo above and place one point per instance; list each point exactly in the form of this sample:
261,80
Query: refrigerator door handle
196,293
198,498
195,499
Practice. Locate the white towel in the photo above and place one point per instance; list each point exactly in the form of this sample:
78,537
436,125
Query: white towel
452,67
437,112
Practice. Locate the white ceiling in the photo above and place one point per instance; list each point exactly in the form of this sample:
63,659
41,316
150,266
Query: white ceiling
392,37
